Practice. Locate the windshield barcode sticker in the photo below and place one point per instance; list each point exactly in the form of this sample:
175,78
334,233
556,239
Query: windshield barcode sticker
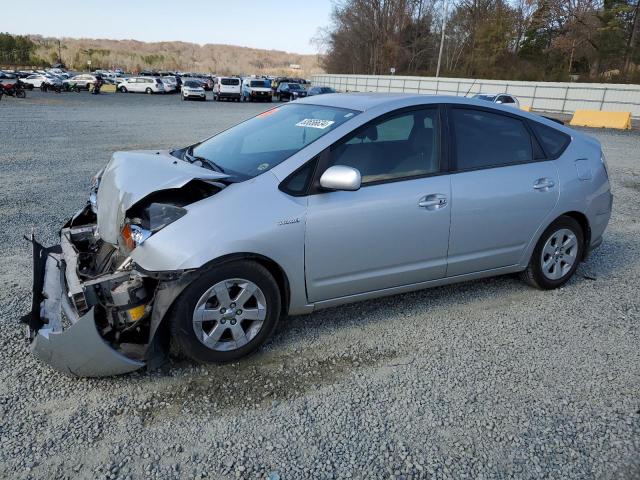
315,123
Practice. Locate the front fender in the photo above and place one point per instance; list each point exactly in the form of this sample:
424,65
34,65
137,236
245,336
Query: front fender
252,216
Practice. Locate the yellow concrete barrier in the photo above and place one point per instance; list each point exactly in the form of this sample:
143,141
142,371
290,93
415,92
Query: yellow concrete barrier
526,108
108,89
105,88
596,118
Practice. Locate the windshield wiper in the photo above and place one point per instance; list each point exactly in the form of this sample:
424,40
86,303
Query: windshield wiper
194,158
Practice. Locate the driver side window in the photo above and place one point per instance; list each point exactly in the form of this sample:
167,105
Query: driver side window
400,146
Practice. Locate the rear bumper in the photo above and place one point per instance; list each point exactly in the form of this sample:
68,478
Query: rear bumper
58,335
228,95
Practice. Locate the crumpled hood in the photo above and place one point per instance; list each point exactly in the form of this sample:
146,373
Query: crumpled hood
131,176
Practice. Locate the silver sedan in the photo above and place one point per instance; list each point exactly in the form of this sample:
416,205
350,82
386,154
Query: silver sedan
321,202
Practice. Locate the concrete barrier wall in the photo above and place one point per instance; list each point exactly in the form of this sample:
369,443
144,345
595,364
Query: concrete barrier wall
553,97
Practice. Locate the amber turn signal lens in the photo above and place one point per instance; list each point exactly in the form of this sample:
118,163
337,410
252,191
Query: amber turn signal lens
127,237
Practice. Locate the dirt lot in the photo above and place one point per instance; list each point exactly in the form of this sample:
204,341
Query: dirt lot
489,379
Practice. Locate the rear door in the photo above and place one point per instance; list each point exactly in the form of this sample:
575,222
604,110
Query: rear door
393,231
502,187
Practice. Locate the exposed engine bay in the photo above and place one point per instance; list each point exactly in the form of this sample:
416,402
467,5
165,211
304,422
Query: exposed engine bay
95,312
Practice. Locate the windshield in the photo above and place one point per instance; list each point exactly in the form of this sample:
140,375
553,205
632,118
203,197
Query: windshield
295,86
258,83
262,142
191,84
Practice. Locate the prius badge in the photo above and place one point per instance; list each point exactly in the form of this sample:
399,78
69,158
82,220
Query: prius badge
289,221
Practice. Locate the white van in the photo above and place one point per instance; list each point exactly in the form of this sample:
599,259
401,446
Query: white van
227,88
141,84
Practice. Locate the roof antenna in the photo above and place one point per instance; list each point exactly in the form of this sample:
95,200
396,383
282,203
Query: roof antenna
472,84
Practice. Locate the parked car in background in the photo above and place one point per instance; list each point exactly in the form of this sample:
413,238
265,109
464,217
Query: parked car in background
207,83
358,196
319,91
288,91
499,98
193,90
170,84
6,77
256,89
82,81
175,79
227,88
141,85
38,80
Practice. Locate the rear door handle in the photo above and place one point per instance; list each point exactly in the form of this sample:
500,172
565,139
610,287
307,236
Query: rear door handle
543,184
433,202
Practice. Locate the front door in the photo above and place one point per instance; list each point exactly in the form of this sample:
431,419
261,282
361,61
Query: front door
392,232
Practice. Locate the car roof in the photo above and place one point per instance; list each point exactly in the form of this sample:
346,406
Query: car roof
366,101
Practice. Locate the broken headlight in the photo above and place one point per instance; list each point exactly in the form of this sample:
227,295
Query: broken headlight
93,191
153,218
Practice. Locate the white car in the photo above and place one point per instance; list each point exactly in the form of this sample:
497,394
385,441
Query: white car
82,81
170,84
193,89
227,88
141,85
499,98
37,79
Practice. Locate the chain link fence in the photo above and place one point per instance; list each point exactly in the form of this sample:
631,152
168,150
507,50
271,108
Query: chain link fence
552,97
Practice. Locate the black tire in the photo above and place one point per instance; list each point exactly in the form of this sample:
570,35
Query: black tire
534,274
183,336
148,91
20,94
123,89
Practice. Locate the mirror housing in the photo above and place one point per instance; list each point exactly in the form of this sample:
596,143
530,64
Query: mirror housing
341,177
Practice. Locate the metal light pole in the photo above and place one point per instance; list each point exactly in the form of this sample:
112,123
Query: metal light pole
444,22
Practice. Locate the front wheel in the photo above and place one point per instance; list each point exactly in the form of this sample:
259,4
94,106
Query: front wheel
20,94
148,91
123,89
227,313
556,256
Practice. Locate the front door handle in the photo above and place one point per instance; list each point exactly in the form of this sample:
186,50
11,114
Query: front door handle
433,202
543,184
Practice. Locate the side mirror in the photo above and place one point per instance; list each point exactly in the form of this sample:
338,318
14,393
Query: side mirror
341,177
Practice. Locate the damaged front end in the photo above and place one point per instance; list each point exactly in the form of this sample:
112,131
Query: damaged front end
94,311
89,308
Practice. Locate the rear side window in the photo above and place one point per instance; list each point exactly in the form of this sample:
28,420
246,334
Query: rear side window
484,139
553,141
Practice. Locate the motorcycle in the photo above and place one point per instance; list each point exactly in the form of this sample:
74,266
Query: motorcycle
46,86
72,87
14,89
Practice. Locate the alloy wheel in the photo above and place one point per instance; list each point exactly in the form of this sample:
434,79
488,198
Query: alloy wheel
559,254
230,314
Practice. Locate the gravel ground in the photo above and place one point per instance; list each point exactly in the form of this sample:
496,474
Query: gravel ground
488,379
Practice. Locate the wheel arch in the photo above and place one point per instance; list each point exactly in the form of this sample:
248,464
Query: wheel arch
582,219
272,266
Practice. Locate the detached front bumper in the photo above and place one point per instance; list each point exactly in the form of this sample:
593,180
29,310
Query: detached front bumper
59,336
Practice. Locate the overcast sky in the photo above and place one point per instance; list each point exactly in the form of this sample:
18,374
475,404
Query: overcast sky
269,24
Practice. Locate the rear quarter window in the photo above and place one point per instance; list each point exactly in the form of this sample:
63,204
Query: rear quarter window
553,141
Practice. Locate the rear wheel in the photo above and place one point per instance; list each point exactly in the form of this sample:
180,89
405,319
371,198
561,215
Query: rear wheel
148,91
556,256
227,313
